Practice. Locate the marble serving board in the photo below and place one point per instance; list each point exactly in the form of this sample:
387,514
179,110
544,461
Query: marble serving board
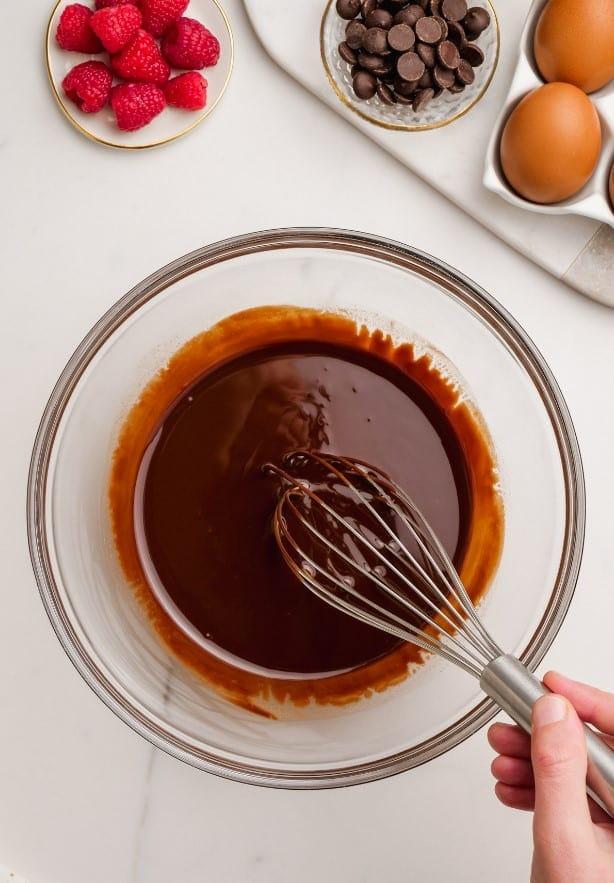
580,251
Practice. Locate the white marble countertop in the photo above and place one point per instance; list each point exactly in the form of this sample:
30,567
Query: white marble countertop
82,797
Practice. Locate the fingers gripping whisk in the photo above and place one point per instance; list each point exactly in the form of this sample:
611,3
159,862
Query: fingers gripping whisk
360,543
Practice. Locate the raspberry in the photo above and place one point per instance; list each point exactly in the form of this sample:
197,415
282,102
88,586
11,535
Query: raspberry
88,85
136,104
116,26
158,15
188,44
74,32
187,90
141,60
104,4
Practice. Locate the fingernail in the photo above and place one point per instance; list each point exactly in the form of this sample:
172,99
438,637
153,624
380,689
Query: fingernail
549,710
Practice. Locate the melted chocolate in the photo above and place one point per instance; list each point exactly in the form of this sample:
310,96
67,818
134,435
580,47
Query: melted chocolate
206,507
190,504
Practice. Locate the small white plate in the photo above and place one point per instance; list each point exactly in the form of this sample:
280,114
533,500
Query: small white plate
173,122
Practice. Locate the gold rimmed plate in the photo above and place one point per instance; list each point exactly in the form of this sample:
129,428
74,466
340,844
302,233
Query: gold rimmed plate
441,111
173,122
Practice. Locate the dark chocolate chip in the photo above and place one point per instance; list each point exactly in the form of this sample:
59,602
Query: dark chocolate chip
347,54
354,70
428,29
443,77
401,99
425,81
456,87
348,8
379,18
410,67
427,54
354,34
444,26
473,54
448,54
454,10
369,62
409,15
456,34
384,68
385,94
402,87
367,7
375,41
476,21
465,73
401,38
421,99
364,85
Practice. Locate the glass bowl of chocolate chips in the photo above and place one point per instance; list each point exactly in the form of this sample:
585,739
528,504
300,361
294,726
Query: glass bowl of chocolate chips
409,66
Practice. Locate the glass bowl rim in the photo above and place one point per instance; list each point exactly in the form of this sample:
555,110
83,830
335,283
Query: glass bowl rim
470,295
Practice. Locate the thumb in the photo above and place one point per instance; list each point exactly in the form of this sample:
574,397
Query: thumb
558,754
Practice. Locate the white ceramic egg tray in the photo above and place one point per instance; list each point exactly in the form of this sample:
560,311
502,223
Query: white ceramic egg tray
593,200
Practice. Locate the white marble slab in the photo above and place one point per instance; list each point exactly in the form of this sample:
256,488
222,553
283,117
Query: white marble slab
452,158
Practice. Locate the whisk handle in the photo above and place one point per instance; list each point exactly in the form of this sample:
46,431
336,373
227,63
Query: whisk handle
516,690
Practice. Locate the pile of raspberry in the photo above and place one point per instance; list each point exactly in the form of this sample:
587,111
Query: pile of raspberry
144,40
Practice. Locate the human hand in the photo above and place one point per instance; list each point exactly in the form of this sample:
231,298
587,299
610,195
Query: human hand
573,839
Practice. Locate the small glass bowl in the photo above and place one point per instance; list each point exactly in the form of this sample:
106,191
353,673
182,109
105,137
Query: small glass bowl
442,110
386,285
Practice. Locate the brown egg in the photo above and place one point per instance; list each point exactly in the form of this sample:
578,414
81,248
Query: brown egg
551,143
574,42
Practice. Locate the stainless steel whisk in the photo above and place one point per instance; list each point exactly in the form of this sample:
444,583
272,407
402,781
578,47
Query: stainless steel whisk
358,542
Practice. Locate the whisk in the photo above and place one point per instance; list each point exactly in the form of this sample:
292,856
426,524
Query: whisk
358,542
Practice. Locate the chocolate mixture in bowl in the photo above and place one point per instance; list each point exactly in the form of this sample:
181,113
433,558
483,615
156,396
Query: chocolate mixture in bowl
192,506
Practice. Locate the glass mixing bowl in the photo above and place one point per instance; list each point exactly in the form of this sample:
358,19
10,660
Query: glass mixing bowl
93,611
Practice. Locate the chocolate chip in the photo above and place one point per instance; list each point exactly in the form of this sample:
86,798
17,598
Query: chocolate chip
473,54
454,10
367,7
428,29
427,54
456,87
409,15
383,68
347,54
354,34
410,67
448,55
385,94
464,72
443,77
401,99
434,7
401,38
364,85
375,41
402,87
379,18
425,81
443,25
475,21
369,62
421,99
456,34
348,8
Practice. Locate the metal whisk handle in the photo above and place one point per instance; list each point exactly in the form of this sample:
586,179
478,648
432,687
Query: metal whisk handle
516,690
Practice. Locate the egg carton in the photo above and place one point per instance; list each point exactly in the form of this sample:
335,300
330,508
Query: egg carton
593,200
